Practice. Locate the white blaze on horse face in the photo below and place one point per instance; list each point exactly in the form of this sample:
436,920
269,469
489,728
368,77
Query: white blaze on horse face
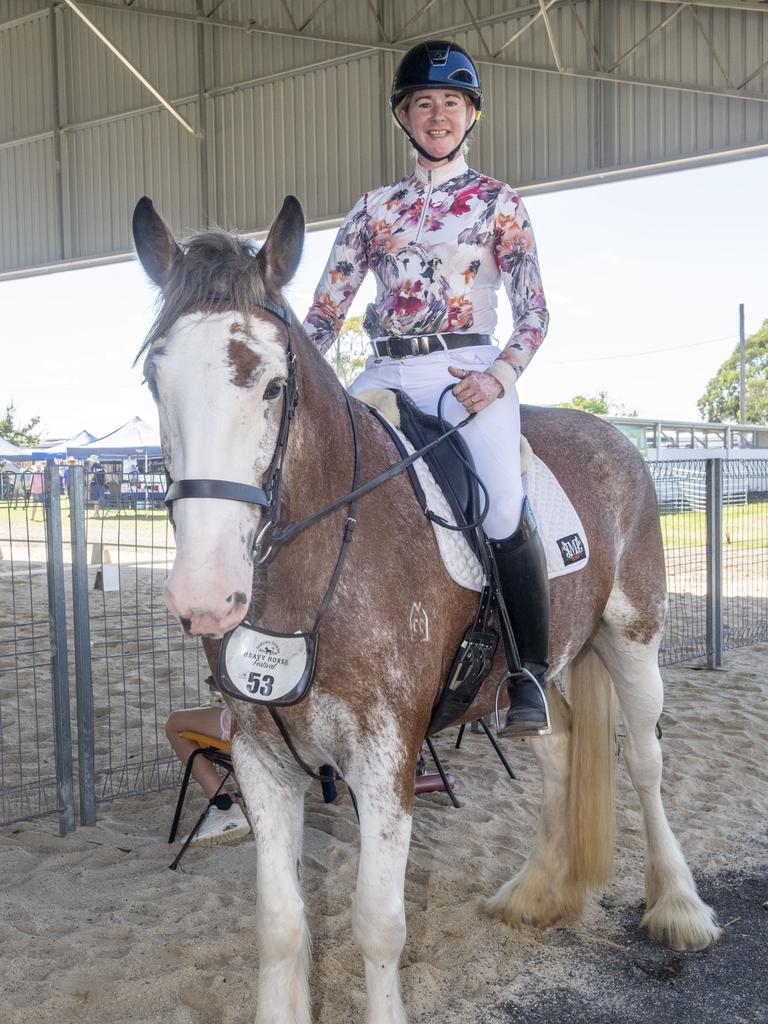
209,375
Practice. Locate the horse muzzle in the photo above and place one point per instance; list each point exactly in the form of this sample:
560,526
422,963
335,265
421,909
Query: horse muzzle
209,622
207,610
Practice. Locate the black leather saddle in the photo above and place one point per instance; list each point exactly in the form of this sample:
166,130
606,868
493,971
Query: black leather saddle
448,462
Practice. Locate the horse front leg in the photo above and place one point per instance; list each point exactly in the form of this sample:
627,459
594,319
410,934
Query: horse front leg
382,781
275,800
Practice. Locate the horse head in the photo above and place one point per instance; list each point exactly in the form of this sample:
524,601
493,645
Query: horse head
216,364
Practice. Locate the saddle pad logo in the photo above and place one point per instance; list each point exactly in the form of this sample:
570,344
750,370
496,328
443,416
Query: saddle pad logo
572,549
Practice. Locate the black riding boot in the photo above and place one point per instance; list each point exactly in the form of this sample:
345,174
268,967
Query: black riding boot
524,584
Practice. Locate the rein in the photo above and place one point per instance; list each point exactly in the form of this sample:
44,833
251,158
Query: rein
269,498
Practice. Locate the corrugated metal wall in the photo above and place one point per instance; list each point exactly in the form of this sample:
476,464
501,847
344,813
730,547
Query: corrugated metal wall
280,112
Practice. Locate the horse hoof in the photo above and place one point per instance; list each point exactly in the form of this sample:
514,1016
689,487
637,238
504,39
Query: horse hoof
531,898
685,924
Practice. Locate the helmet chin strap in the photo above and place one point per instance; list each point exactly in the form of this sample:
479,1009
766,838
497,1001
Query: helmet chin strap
428,156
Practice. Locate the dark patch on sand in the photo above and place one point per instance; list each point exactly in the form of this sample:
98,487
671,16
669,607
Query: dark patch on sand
638,982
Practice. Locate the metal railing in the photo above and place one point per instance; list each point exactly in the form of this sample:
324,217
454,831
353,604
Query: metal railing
81,599
714,516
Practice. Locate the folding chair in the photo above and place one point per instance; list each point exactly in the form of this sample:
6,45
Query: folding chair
482,725
218,752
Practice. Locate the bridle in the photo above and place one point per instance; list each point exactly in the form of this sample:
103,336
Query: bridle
268,497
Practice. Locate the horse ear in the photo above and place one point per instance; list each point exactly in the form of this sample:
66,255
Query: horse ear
281,253
155,245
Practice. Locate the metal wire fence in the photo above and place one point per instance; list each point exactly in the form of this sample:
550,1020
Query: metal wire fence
714,517
130,661
28,782
81,597
142,665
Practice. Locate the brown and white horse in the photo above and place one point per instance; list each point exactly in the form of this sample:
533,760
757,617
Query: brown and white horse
216,362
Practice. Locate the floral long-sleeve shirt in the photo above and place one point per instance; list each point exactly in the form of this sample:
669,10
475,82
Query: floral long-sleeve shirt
439,243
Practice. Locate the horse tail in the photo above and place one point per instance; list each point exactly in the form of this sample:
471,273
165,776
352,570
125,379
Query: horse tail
592,805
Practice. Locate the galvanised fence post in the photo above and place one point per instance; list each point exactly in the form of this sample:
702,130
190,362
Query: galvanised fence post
57,619
714,514
82,634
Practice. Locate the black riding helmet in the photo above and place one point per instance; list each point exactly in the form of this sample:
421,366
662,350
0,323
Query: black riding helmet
436,64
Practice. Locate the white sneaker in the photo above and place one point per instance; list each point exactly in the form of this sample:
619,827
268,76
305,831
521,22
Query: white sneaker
222,826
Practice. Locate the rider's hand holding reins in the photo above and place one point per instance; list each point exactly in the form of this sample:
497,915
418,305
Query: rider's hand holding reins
476,390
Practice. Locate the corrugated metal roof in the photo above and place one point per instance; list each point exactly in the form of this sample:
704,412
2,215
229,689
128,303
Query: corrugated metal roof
291,97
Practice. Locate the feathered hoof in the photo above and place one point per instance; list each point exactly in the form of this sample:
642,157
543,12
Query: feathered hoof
536,901
682,922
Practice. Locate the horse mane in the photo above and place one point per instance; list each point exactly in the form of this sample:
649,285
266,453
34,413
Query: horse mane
218,272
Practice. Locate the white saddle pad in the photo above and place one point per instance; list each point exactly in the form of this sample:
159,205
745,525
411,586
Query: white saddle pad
562,532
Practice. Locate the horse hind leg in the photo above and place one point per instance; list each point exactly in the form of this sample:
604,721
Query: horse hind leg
545,891
276,805
675,915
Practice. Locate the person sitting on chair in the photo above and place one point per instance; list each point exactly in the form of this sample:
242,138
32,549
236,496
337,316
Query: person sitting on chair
441,242
225,820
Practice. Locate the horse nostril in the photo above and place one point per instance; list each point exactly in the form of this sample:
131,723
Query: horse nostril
238,597
186,624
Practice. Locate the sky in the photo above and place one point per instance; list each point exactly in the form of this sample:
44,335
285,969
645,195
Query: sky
643,280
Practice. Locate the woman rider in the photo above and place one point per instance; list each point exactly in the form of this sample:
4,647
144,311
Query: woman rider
439,242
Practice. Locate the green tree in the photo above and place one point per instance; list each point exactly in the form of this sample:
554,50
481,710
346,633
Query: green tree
26,435
599,404
720,401
348,355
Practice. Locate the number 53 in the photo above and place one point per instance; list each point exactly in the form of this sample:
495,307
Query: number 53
257,683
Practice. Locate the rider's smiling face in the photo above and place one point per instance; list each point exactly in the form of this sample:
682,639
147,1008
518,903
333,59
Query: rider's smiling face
438,119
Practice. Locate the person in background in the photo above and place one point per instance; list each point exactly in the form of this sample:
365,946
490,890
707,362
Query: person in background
225,820
97,483
68,464
37,490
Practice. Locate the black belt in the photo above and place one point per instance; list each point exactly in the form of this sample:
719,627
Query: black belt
399,348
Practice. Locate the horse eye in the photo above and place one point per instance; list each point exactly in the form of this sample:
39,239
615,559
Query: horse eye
273,390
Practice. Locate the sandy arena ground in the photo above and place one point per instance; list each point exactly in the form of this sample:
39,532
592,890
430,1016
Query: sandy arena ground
95,929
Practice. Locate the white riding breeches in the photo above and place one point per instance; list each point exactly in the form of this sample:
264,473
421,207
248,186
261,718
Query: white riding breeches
493,436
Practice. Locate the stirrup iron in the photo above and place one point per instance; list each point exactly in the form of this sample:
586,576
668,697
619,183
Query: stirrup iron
544,730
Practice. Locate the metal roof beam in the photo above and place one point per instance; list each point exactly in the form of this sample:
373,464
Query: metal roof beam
312,15
710,43
749,6
651,32
478,28
537,13
253,28
588,74
587,37
415,17
131,67
754,74
379,22
550,36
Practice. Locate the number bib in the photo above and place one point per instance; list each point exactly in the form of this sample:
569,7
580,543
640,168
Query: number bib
263,667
